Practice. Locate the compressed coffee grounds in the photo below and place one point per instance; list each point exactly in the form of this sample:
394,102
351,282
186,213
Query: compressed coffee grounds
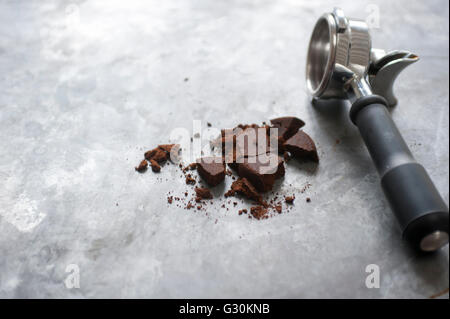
251,169
203,193
142,167
255,177
259,212
243,187
155,166
287,126
211,169
300,145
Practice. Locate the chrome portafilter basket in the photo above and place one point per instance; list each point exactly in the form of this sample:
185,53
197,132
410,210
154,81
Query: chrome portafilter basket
341,64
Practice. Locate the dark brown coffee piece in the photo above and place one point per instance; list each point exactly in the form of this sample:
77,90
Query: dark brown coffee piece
243,140
301,146
226,140
149,154
248,142
242,211
211,169
142,167
190,179
203,193
155,166
166,147
259,212
243,187
157,154
289,199
161,153
287,126
190,205
262,172
231,160
190,167
258,167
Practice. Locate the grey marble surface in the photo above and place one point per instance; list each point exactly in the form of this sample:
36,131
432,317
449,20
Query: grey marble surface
86,86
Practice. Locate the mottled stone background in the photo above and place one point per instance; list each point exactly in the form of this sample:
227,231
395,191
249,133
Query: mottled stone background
87,86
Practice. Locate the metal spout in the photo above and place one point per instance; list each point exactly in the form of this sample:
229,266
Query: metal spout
385,68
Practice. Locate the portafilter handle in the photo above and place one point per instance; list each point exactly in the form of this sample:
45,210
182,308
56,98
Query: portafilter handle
420,210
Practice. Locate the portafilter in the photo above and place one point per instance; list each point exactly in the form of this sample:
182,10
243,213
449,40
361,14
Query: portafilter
342,64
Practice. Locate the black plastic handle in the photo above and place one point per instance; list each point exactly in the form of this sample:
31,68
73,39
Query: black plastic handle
420,210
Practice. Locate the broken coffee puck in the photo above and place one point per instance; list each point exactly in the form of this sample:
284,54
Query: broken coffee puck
203,193
301,146
262,172
155,166
211,169
248,150
243,187
287,126
142,167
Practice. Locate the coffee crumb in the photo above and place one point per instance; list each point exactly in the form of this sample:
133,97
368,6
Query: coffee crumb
289,199
203,193
308,200
189,205
242,211
142,167
190,180
244,187
259,212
